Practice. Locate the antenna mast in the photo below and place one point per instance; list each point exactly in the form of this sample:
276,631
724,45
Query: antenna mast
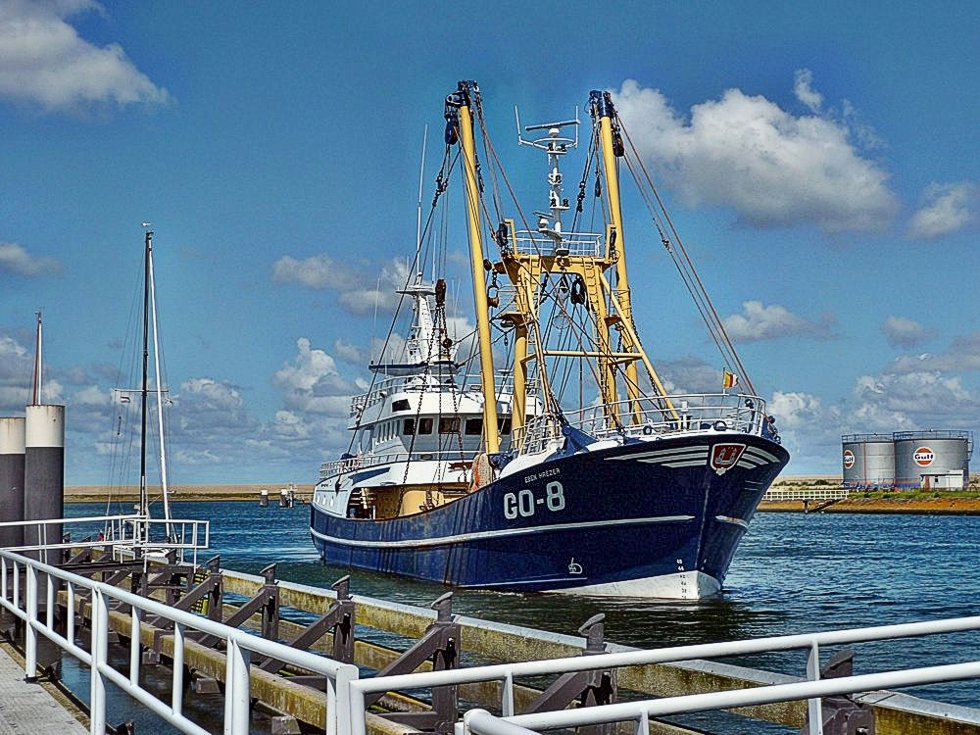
36,393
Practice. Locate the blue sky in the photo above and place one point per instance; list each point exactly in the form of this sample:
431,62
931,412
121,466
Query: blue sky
818,159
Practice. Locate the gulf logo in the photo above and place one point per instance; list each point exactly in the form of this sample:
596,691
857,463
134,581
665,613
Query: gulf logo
848,459
923,456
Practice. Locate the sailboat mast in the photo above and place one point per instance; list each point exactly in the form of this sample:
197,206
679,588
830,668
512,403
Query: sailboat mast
143,505
462,102
159,392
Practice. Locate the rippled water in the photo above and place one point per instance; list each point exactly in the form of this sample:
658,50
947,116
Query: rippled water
793,573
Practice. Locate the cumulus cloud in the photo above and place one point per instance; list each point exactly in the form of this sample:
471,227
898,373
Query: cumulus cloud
45,63
312,383
804,91
946,208
912,400
318,272
905,333
360,293
15,259
963,355
382,296
772,167
759,322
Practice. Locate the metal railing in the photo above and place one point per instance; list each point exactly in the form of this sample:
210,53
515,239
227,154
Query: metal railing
652,417
129,532
812,688
240,645
583,244
353,464
779,494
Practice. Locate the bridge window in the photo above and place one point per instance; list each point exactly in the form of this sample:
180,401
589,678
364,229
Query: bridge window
474,427
408,427
449,425
400,405
425,426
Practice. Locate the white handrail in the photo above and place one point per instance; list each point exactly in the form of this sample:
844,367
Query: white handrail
507,672
240,644
640,712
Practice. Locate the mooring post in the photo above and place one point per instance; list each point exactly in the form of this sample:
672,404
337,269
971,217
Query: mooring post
588,687
270,611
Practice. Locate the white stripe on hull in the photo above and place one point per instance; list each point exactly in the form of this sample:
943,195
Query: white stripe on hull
500,533
678,586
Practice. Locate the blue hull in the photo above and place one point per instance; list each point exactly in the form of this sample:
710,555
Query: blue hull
633,512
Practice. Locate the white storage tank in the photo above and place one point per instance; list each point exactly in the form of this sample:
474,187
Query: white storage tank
868,460
938,460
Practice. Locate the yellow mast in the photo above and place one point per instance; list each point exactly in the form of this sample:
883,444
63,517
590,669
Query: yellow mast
458,112
603,107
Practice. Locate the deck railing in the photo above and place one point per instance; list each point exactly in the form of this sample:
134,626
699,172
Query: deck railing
240,645
366,461
674,414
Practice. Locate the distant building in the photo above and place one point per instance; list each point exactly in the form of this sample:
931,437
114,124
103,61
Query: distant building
938,460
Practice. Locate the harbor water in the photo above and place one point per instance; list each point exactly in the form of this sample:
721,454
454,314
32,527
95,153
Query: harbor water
793,573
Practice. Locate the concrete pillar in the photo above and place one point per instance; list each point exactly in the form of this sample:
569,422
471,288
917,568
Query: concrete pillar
44,475
11,479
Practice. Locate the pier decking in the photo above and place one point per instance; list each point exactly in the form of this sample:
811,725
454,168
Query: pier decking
28,708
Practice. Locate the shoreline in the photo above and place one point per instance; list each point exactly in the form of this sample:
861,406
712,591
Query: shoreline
966,506
184,493
877,506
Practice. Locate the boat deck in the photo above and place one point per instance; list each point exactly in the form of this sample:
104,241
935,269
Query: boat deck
26,709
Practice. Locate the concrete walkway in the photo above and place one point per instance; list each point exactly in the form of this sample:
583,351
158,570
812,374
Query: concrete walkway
26,709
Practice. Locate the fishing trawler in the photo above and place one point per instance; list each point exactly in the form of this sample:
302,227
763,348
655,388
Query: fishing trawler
572,469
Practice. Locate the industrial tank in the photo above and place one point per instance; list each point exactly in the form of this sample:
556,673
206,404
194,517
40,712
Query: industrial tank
868,460
933,459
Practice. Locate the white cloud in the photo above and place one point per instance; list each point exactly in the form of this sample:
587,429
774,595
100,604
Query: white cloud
381,295
906,333
947,208
796,409
14,258
44,62
963,355
912,400
312,383
771,167
759,322
318,272
802,81
359,293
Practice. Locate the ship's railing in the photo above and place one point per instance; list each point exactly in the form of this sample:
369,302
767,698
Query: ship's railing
123,532
583,244
465,382
811,688
653,416
353,464
25,582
